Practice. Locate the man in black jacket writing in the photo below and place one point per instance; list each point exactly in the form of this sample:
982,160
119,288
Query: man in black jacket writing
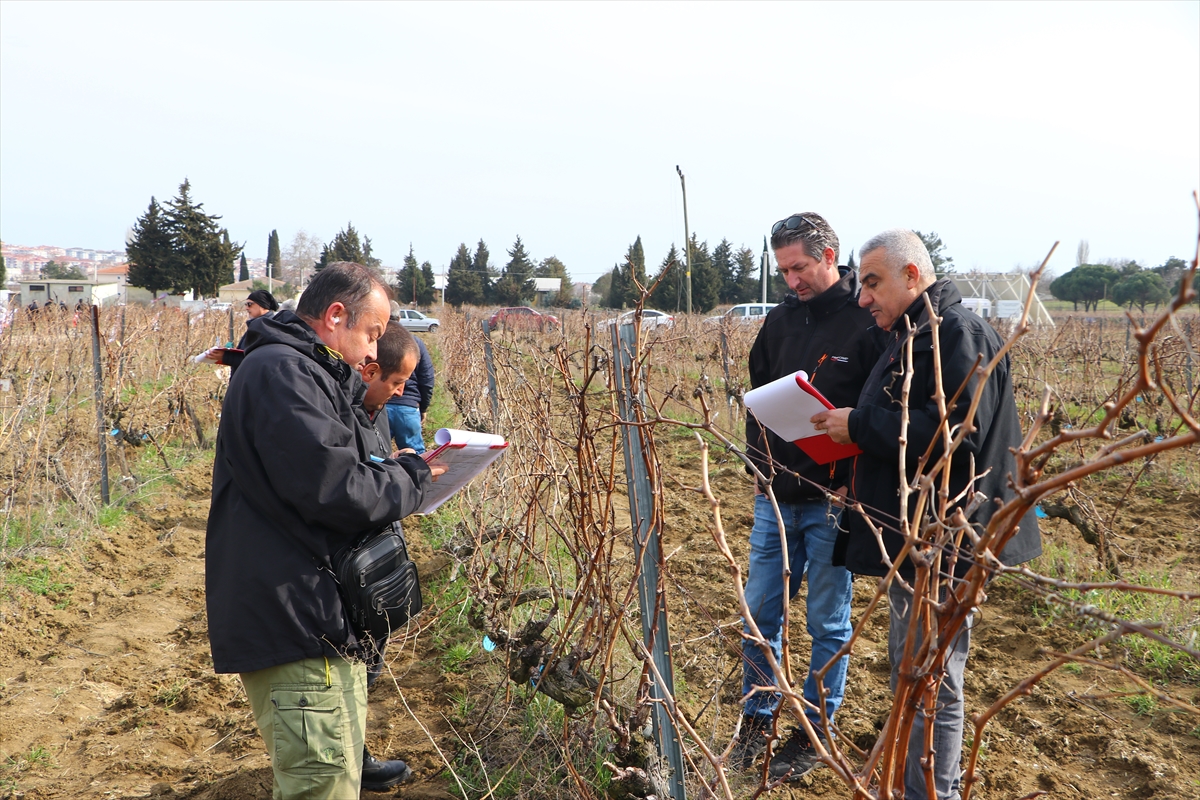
293,482
820,329
897,276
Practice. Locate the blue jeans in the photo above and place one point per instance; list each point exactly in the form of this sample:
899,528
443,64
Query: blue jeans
948,719
811,531
405,422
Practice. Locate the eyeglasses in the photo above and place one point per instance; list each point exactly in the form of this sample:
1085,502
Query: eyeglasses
250,303
792,223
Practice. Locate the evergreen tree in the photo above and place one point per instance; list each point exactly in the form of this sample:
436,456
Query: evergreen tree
426,294
487,273
601,288
933,243
668,283
746,267
726,271
706,283
853,267
201,255
55,271
368,259
273,259
515,286
464,284
629,279
346,246
410,283
244,271
149,251
551,267
3,272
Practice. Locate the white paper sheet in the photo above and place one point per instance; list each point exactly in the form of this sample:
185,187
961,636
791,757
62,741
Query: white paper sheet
785,408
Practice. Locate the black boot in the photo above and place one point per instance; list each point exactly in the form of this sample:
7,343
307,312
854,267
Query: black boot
379,776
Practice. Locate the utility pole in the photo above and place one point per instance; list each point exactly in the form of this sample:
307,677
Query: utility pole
687,246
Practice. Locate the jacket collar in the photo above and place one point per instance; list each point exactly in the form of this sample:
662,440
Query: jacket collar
942,295
833,298
288,329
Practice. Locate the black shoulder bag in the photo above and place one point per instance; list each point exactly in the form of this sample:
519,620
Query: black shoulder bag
378,582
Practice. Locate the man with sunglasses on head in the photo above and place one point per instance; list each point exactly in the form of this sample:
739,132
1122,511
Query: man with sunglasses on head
818,328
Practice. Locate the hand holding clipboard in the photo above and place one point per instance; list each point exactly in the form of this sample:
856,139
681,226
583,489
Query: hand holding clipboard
787,405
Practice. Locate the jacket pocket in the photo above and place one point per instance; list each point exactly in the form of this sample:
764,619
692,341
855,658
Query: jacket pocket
309,722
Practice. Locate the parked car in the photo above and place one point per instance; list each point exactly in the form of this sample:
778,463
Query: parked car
744,313
651,319
522,318
416,321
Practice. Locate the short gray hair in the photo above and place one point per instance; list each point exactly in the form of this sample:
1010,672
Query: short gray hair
813,231
903,247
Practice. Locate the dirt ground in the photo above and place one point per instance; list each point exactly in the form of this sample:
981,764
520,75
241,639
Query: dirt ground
107,689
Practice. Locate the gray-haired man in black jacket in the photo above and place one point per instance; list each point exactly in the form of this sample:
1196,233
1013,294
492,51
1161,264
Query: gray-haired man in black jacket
293,482
896,275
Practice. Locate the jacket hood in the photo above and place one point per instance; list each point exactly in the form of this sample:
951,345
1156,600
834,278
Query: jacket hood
287,329
832,298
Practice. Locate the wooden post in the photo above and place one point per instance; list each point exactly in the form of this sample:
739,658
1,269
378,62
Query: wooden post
98,376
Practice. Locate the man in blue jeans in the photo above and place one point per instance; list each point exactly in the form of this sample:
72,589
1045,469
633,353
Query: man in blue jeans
406,411
819,329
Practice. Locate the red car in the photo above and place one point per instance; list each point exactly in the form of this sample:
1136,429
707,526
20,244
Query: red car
522,318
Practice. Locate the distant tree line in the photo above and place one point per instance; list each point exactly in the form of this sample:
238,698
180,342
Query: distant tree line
1127,284
180,248
473,279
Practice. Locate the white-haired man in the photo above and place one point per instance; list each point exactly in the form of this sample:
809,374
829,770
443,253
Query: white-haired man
896,276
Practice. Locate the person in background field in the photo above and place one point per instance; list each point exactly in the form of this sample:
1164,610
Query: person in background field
406,411
395,358
819,329
897,275
293,483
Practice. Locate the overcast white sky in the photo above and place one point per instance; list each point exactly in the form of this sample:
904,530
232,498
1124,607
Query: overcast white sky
1004,127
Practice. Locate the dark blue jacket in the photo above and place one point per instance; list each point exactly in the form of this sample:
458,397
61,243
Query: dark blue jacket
418,389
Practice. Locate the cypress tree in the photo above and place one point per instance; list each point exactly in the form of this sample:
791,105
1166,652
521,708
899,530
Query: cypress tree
150,250
668,283
706,283
244,271
3,272
723,265
273,259
426,293
410,281
487,273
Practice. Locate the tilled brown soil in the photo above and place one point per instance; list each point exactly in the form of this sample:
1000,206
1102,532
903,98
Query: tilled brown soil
108,692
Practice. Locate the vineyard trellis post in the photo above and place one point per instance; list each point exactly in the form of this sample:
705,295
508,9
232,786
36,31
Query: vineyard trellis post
98,381
231,339
490,363
648,550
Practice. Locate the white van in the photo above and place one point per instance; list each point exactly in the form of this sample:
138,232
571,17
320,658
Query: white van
745,313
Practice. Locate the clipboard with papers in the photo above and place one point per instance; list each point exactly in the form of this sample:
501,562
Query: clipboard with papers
464,454
786,405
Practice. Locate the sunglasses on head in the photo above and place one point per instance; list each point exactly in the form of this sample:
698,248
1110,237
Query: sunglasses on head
792,223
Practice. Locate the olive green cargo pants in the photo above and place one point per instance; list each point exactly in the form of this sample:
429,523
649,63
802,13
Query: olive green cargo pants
312,714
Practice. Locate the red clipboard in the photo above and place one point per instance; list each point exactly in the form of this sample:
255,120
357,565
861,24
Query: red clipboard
821,448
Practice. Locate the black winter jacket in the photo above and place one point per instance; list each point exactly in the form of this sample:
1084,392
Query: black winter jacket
293,481
828,337
418,389
875,427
